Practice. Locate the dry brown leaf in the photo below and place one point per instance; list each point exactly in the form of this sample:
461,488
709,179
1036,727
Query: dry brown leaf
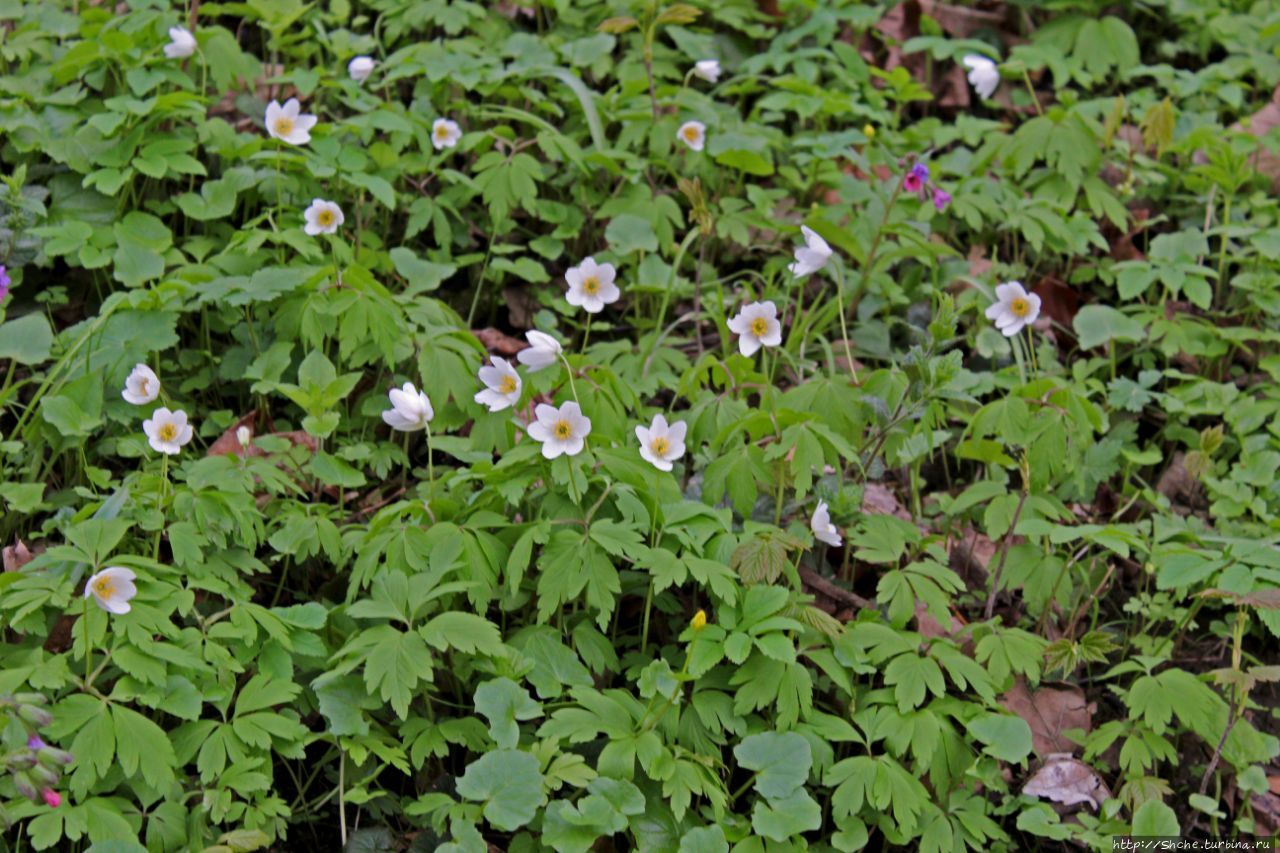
499,342
1067,780
1050,711
1257,125
878,499
1176,483
1059,302
1273,782
16,556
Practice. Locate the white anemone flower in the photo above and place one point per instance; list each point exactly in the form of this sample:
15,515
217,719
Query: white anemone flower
1014,308
822,527
811,257
360,68
502,385
112,588
167,431
561,431
244,436
322,217
707,69
181,43
756,325
288,123
661,444
142,386
591,285
445,133
543,351
693,134
410,409
984,75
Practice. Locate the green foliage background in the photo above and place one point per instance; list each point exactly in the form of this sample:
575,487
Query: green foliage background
460,646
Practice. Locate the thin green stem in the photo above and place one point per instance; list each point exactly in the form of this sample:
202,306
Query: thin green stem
844,329
572,387
88,644
1031,90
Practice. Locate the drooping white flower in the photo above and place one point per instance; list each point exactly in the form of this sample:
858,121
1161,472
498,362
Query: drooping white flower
445,133
288,123
563,430
984,75
142,386
1014,308
591,285
661,444
181,43
812,256
543,351
322,217
410,409
360,68
112,588
693,134
822,527
502,385
167,431
756,325
707,69
244,435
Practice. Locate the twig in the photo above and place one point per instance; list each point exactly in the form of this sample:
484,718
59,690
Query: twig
1004,554
833,591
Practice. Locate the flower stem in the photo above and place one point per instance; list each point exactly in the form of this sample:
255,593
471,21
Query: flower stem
431,467
844,329
572,386
164,492
1026,78
88,648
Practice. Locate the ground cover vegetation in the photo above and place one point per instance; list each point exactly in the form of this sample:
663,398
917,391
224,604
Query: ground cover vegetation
589,425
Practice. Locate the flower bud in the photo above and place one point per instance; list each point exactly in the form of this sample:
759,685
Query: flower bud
44,775
51,757
52,798
699,620
869,130
25,786
37,717
30,698
34,742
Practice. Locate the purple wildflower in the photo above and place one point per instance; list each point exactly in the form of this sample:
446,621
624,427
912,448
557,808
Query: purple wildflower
34,742
941,198
4,282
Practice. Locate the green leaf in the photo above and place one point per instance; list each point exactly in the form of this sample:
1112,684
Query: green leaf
502,702
1006,737
509,784
782,762
26,340
1098,324
629,233
781,819
1155,818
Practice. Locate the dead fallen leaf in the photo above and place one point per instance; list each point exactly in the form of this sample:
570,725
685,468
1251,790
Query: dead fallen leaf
1258,125
1059,302
499,342
1176,483
929,626
1273,782
1266,811
227,443
878,499
1067,780
1050,711
16,556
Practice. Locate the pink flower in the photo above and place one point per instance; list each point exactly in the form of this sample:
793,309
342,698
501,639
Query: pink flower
941,198
51,798
914,181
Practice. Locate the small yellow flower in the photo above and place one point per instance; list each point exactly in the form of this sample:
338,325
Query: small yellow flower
699,620
869,131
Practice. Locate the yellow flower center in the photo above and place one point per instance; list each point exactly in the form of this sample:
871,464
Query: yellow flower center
168,432
759,327
691,134
562,430
284,126
659,446
104,587
1020,306
325,217
591,285
507,385
442,132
